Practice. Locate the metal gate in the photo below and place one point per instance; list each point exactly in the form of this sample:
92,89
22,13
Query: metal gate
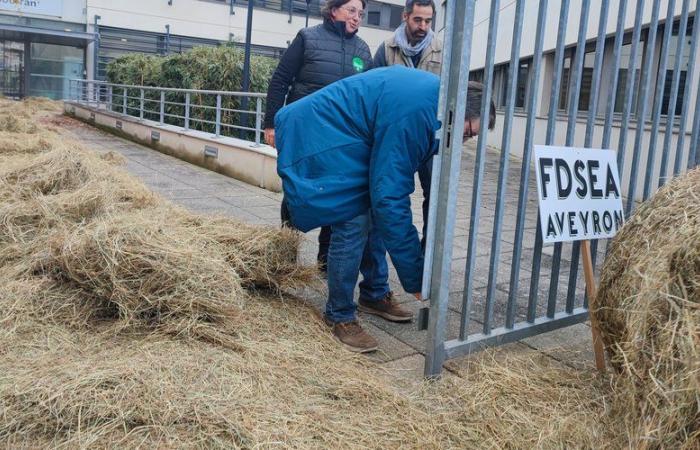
627,87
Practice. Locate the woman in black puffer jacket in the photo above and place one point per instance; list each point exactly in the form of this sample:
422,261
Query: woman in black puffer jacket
317,57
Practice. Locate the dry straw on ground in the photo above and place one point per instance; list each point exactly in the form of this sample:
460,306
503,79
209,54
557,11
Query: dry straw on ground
649,308
126,322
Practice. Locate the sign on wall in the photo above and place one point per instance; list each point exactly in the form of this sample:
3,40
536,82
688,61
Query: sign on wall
43,7
579,193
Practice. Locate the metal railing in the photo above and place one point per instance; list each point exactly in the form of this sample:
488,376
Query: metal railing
490,312
216,112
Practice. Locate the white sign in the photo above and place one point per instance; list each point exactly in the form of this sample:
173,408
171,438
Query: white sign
579,193
43,7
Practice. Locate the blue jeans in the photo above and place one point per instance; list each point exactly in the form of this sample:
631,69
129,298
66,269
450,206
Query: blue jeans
355,247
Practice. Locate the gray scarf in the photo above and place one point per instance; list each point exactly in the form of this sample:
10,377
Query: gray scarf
408,49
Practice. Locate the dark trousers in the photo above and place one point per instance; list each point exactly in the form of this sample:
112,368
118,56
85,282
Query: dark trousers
425,173
324,238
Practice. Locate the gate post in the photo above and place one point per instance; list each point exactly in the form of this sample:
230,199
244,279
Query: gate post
453,94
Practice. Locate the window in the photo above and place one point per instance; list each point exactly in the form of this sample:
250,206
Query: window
373,18
564,91
521,87
625,61
396,16
584,99
672,55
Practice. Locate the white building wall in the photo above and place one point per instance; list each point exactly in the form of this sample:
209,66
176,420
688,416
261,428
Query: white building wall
212,20
66,10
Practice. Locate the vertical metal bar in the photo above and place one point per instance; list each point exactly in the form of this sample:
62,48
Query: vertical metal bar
658,101
537,60
141,107
479,173
452,30
631,75
588,140
460,32
612,93
551,127
617,48
125,94
503,171
162,107
258,120
187,109
642,104
218,115
688,82
574,96
696,127
109,97
674,90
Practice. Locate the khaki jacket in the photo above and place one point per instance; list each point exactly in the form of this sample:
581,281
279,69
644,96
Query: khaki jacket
431,59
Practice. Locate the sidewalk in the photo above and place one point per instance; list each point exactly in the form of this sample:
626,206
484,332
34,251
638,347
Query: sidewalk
402,346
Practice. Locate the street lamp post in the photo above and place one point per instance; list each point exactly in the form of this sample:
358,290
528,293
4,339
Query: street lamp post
246,66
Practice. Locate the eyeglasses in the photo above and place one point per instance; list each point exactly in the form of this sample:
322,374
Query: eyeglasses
352,11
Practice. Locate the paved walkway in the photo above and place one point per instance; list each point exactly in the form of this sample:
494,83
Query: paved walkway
401,346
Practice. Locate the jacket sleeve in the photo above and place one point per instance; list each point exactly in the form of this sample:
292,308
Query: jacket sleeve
380,56
397,151
282,78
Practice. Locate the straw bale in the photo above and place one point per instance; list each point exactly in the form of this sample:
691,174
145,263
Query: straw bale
24,143
648,305
263,256
151,271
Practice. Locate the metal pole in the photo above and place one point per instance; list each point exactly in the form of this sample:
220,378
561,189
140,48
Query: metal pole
141,107
503,172
642,106
167,39
125,94
162,107
109,97
453,95
218,115
478,173
656,112
246,66
538,59
187,108
307,13
258,120
96,47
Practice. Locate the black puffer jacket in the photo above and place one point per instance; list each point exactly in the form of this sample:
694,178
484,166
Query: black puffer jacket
317,57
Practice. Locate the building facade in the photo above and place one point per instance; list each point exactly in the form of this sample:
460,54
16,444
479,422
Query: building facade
44,43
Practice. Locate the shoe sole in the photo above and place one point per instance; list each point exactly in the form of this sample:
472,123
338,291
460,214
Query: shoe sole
357,349
383,315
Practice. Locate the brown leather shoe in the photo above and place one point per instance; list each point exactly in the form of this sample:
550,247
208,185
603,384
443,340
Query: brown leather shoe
386,308
353,336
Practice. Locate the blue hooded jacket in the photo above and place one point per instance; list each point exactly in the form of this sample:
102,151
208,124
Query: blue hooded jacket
353,147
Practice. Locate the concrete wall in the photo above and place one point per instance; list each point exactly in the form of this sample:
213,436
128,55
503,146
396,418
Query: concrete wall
239,159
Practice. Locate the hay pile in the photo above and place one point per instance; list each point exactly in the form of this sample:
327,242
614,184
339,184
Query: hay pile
127,322
649,310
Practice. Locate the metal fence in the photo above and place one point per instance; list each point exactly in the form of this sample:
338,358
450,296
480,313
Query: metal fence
220,113
486,285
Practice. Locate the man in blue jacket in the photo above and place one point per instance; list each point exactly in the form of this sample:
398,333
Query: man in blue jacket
347,158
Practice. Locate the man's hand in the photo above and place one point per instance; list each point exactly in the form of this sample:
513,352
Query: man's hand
270,137
418,296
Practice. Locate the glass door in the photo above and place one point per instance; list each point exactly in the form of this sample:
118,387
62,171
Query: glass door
12,69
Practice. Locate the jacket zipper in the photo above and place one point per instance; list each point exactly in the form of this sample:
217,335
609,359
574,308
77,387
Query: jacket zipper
342,54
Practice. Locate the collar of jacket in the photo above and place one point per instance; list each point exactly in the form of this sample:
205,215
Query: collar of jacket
338,28
434,44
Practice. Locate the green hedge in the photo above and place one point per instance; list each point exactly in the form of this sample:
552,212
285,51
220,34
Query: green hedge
205,68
